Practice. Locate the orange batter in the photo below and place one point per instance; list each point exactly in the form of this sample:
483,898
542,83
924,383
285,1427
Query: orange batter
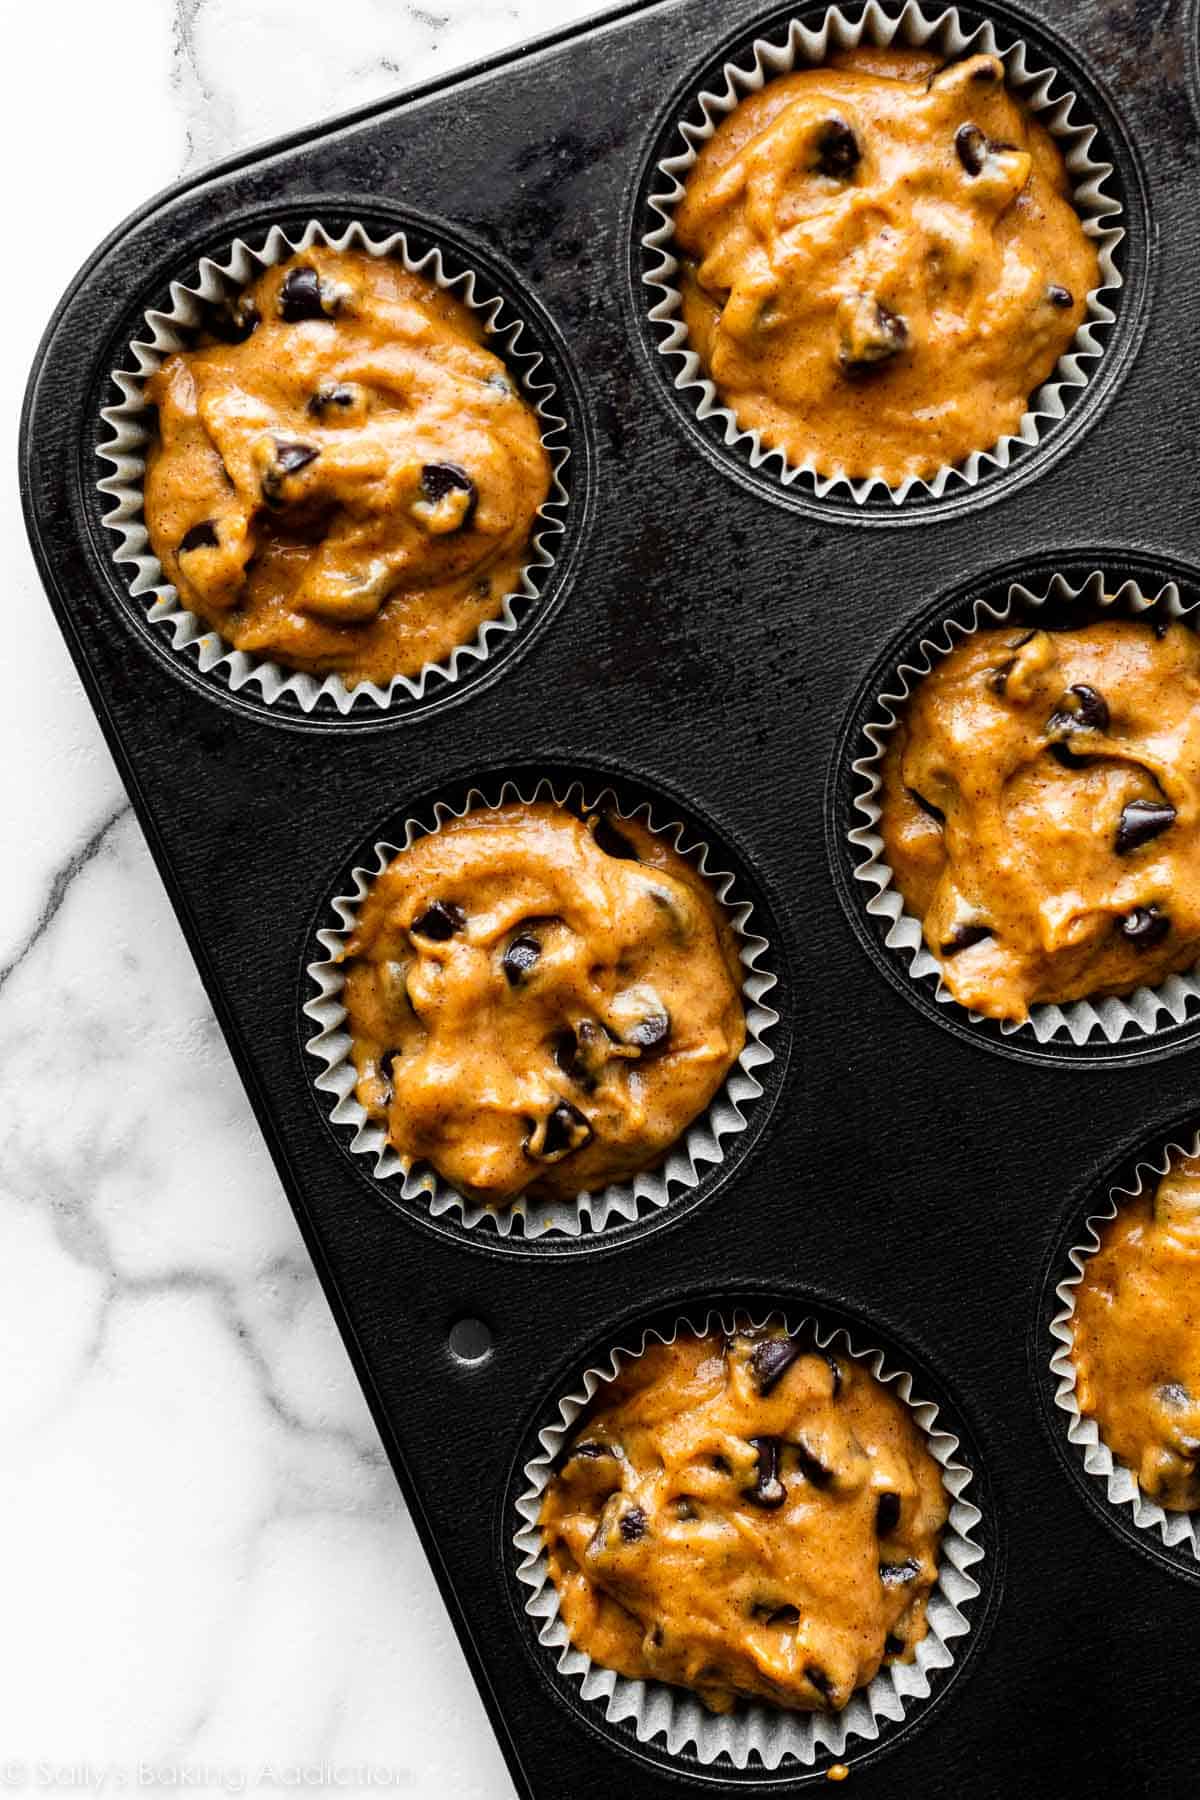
351,486
1041,812
540,1003
1137,1338
882,262
746,1518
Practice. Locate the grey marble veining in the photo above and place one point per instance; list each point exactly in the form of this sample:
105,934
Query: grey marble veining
209,1569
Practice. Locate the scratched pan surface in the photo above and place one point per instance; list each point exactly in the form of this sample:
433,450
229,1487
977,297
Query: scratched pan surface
708,644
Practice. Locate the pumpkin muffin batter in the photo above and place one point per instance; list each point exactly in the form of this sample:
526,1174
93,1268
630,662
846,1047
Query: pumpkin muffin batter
882,262
350,486
1136,1337
540,1003
746,1518
1041,812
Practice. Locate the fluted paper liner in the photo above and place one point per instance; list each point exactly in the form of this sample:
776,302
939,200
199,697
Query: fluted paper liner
755,1730
1079,1020
1043,91
166,331
682,1168
1179,1531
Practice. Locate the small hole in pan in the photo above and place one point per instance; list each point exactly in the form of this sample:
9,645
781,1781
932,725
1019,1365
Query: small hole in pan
470,1341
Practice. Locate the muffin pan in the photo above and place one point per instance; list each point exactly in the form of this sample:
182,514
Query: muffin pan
706,639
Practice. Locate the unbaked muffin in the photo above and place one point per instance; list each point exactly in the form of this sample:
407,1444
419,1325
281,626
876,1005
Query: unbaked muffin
745,1517
1136,1338
540,1002
1041,812
350,486
882,262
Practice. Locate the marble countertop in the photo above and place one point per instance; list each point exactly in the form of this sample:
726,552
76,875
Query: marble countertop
211,1582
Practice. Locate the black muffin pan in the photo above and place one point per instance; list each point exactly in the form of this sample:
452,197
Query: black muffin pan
707,640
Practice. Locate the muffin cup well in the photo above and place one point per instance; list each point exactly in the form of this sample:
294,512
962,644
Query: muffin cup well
755,1730
169,330
1179,1531
1044,91
1110,1018
703,1143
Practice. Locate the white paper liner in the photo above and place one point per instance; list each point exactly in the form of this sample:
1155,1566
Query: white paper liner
1043,91
1178,1530
168,331
1079,1020
703,1142
755,1730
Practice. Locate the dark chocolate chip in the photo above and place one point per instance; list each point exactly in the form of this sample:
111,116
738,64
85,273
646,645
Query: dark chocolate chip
899,1574
1142,820
768,1491
1065,756
1174,1394
341,394
385,1063
770,1359
440,921
1161,628
819,1680
783,1615
972,147
290,457
811,1466
927,806
440,479
566,1130
1060,296
998,679
1092,711
301,296
520,957
1026,637
887,337
887,1514
633,1525
964,937
199,537
721,1465
838,154
612,841
650,1034
1145,926
234,320
566,1055
591,1451
836,1369
893,1645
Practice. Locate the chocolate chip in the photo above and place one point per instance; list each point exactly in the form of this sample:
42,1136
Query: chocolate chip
386,1062
893,1645
440,479
633,1525
520,957
964,937
1060,296
650,1034
1161,628
290,457
566,1130
1026,637
887,1514
811,1466
819,1680
1066,757
200,537
610,840
838,154
971,144
440,921
768,1491
878,334
234,320
899,1574
836,1369
780,1616
1174,1394
998,679
1092,711
1145,926
302,297
591,1451
927,806
341,394
770,1359
1142,820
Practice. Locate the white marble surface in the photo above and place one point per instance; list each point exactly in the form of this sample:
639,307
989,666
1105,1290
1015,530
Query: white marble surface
209,1582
